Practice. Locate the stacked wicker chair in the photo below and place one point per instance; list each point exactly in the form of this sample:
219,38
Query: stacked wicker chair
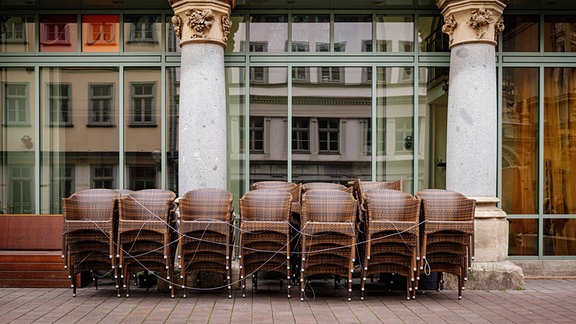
447,233
144,234
89,233
205,233
295,189
265,235
328,236
325,185
392,236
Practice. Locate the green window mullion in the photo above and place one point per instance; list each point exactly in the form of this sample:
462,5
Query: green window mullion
541,162
373,123
163,165
121,122
37,148
289,124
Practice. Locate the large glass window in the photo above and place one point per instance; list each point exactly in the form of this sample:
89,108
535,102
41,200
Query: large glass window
58,33
142,33
270,32
521,33
560,33
309,30
394,34
350,31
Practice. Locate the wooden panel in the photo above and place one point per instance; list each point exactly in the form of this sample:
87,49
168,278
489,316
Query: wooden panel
30,232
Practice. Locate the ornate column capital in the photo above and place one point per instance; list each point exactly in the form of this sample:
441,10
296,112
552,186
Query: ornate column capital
472,21
202,21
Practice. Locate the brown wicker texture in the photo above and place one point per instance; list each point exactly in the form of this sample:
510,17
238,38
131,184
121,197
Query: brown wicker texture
90,224
448,231
265,234
391,218
328,236
144,234
325,185
205,233
295,189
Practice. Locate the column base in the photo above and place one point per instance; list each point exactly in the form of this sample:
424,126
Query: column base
500,275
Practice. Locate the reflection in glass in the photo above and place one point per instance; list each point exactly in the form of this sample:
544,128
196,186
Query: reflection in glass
142,33
172,107
268,125
17,33
100,33
236,130
520,140
331,126
430,35
559,234
79,139
523,237
394,34
58,33
394,125
560,33
18,140
521,34
352,33
309,31
237,36
142,114
268,33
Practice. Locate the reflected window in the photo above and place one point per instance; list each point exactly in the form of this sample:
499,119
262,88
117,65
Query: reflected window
100,104
560,33
16,104
256,134
330,74
142,177
403,136
328,135
391,29
13,30
367,136
521,33
20,189
102,176
300,74
301,135
60,104
430,34
271,29
308,29
142,33
300,46
62,186
17,33
100,33
55,34
351,30
143,104
58,33
258,74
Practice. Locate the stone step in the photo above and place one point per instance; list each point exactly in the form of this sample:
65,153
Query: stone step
42,269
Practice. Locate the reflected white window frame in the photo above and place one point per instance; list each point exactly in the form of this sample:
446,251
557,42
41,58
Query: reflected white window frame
97,176
16,105
97,116
13,30
301,134
62,185
146,26
55,34
60,104
257,125
20,187
332,132
143,105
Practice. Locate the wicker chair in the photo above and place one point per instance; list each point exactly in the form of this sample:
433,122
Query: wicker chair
205,233
89,233
144,234
392,236
325,185
265,235
328,236
447,233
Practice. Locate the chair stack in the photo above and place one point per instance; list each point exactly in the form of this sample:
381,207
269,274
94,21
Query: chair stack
144,234
295,189
447,233
265,235
328,236
392,236
205,233
89,233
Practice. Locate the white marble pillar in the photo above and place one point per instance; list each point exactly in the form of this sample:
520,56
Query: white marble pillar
202,27
471,147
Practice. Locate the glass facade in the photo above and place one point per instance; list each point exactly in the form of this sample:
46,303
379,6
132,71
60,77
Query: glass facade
90,100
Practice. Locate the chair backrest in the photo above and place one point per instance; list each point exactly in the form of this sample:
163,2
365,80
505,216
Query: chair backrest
328,205
90,205
446,205
295,189
206,204
147,205
392,205
265,205
325,185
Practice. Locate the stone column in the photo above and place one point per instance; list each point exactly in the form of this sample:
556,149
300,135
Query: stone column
202,27
472,130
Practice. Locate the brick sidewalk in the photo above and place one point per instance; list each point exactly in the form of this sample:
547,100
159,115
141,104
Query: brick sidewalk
542,301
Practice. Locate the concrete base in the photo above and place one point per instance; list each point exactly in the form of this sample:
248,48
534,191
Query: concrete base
503,275
536,269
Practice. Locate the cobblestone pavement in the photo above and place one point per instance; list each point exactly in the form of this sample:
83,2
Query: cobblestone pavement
542,301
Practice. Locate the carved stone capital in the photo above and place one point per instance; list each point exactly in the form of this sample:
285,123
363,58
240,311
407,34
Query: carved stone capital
202,21
472,21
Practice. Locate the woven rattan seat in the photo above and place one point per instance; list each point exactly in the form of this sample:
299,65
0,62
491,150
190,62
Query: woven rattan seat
206,233
90,224
448,231
391,220
265,234
144,234
328,218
